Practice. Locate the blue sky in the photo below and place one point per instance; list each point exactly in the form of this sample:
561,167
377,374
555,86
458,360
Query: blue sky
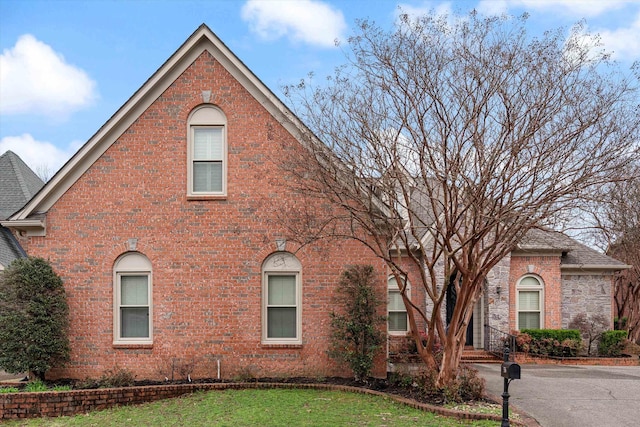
67,66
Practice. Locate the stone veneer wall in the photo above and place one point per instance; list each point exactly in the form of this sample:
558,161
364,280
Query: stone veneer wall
585,292
497,306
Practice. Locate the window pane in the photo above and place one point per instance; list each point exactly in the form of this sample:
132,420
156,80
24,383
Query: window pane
529,320
207,176
282,290
529,300
529,282
395,301
207,144
134,290
398,321
134,322
281,322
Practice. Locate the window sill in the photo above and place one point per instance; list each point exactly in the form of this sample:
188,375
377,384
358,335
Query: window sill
132,345
280,346
207,197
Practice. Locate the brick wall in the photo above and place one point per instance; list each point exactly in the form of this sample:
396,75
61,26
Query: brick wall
548,269
206,254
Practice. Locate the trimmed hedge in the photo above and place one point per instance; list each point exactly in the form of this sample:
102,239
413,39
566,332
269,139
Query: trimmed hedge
611,343
553,342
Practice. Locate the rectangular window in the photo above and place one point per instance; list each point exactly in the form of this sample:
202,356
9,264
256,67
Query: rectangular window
397,313
207,158
282,316
134,307
529,309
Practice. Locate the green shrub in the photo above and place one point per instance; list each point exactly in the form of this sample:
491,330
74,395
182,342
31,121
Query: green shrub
33,318
35,386
612,343
9,390
553,342
356,335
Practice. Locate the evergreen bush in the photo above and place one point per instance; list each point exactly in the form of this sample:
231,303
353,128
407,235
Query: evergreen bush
356,335
612,343
554,342
33,318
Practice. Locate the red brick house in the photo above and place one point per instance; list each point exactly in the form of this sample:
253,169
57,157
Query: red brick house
165,229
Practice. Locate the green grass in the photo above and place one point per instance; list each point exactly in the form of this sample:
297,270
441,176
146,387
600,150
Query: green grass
276,407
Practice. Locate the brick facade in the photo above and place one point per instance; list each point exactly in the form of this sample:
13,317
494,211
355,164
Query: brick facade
546,268
206,254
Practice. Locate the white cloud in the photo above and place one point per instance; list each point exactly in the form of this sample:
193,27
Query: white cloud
624,43
34,79
576,8
307,21
39,155
440,9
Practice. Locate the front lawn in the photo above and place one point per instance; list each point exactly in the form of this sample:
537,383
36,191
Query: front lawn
272,407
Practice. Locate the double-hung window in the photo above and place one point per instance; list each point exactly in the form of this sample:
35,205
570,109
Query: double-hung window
207,169
208,153
282,298
133,313
396,311
530,303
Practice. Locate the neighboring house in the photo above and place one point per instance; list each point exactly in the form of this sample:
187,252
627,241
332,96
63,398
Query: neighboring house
18,183
166,229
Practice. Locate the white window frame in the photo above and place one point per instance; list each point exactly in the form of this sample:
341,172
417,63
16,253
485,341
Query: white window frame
392,286
529,288
206,116
131,264
281,264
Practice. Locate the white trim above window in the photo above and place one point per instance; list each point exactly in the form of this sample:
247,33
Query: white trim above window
530,303
281,299
132,300
397,319
207,153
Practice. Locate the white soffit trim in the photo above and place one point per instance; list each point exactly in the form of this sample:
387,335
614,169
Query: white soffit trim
202,39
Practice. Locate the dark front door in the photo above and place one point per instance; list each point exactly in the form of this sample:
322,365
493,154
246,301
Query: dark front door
450,305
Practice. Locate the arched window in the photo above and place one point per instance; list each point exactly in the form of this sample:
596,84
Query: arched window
397,323
530,303
281,299
207,152
133,309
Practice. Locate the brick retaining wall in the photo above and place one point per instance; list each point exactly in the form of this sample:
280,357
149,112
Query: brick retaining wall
59,403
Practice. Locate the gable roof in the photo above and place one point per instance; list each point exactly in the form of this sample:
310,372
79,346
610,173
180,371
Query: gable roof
574,255
30,218
18,184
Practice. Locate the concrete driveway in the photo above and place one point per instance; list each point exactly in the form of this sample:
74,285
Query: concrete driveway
572,396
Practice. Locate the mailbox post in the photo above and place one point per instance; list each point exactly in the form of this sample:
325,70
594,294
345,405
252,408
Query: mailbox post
509,371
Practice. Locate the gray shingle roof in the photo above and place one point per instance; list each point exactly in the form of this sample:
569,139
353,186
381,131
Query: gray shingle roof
575,254
18,184
9,247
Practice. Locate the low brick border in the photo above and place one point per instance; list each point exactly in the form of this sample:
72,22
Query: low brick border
72,402
593,361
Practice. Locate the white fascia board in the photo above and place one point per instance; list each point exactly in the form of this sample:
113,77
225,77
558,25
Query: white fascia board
31,227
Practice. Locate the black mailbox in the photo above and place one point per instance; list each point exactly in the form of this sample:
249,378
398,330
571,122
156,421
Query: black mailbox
510,370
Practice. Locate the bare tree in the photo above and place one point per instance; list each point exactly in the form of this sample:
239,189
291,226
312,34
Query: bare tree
44,172
590,327
446,140
617,219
